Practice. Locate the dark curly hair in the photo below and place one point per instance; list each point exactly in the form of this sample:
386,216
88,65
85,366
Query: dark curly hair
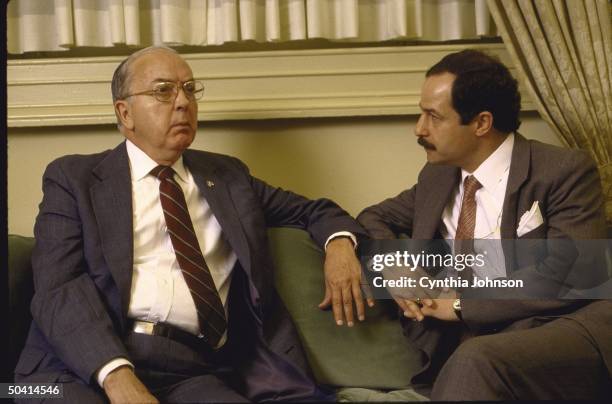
482,83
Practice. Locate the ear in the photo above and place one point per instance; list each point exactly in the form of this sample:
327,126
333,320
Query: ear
123,111
483,122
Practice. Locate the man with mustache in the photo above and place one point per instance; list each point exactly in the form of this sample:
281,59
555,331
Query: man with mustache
483,180
153,278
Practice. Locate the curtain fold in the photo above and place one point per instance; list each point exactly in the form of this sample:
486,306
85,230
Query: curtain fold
35,25
563,52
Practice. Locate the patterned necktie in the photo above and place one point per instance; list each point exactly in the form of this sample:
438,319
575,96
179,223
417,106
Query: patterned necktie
464,238
211,314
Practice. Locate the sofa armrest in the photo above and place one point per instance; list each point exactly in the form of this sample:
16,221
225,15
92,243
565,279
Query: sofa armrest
21,290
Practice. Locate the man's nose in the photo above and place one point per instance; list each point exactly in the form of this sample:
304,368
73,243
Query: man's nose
419,128
181,100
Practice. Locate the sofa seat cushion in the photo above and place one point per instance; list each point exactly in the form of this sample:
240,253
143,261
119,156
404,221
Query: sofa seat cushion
373,354
359,395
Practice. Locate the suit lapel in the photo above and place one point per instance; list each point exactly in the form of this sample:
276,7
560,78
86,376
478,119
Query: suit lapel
519,173
432,200
112,203
215,189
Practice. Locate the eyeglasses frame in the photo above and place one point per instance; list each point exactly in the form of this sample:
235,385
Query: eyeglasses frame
176,86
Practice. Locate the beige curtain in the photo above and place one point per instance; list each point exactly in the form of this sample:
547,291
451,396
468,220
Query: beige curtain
563,50
53,25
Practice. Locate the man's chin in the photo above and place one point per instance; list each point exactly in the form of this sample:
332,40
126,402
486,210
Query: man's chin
432,156
182,130
183,138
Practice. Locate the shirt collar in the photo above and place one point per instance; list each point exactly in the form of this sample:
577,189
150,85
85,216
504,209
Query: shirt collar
141,164
491,171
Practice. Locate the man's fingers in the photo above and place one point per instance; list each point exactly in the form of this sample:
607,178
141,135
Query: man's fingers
416,310
406,308
410,309
342,300
337,305
367,291
427,302
358,298
326,302
347,305
428,311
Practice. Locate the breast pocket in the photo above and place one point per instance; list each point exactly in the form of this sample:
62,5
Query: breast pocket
538,232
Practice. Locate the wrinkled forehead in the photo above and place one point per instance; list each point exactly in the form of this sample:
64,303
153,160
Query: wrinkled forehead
159,65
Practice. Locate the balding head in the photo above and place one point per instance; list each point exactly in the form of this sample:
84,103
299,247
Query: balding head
120,85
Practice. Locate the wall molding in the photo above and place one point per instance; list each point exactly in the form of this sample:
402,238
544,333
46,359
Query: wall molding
240,85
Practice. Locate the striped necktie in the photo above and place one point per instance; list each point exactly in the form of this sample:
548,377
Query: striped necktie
211,314
464,237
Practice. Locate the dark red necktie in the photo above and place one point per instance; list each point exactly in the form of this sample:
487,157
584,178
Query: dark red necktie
211,314
464,238
467,216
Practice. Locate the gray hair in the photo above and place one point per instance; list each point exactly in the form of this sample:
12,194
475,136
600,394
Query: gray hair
121,78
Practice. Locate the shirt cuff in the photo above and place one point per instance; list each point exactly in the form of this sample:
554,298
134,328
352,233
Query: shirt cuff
342,233
109,367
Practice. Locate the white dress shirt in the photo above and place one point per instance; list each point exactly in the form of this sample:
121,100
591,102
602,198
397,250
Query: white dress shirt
159,292
492,174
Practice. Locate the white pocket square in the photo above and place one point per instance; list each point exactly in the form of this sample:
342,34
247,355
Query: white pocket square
530,220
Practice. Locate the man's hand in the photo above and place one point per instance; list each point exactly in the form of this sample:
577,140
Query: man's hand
442,309
122,386
413,308
410,300
343,282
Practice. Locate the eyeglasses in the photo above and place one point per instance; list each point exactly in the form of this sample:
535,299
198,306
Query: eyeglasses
167,91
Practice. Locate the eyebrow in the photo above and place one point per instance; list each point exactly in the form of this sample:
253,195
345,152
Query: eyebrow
162,80
429,109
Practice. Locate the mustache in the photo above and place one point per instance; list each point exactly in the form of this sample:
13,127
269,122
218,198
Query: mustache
421,141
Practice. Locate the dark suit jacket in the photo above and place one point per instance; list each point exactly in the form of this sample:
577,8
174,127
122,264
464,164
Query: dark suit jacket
566,184
82,260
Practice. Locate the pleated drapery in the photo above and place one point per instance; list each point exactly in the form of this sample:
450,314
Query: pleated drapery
563,51
53,25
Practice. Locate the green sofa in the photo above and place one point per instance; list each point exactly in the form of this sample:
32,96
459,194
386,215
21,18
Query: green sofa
369,362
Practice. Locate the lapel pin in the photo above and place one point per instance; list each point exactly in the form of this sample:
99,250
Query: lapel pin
210,184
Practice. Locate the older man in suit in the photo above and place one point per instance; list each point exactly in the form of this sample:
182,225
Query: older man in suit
153,279
484,180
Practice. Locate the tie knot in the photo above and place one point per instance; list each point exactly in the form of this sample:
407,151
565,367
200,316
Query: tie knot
163,172
471,185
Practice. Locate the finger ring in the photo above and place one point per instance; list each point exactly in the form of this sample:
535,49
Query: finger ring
418,301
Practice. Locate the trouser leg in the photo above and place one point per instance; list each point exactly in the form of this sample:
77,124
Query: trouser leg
557,360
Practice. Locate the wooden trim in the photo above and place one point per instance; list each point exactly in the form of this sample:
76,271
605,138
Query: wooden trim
240,85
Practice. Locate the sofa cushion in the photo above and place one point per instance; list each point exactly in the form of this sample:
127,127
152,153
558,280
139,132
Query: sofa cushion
371,354
359,395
